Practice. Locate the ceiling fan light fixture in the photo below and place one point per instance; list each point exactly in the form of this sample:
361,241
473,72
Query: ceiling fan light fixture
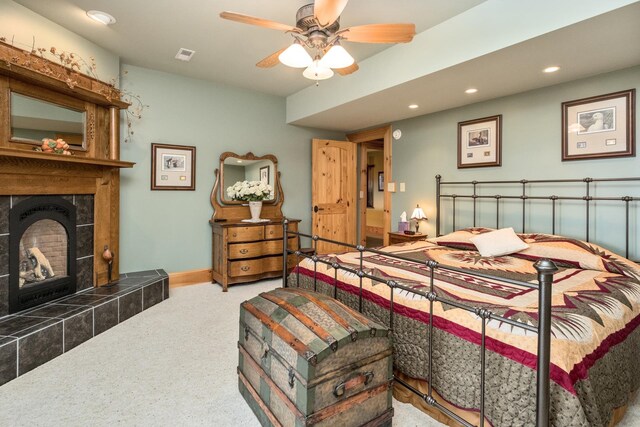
295,56
337,57
316,71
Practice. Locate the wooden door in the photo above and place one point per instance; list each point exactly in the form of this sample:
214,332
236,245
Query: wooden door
334,193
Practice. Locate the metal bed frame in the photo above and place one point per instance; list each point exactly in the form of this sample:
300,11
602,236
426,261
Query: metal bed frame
525,184
545,270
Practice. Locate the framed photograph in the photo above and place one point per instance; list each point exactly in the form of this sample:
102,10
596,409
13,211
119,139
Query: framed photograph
173,167
264,174
380,181
599,127
479,142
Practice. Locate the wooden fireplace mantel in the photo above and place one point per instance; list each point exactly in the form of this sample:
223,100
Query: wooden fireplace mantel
38,157
93,169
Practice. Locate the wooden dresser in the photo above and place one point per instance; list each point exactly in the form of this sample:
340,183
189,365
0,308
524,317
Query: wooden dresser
246,252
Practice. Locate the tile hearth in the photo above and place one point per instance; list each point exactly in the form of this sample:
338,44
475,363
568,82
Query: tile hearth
33,337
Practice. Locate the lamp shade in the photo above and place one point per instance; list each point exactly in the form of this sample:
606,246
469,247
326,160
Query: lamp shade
295,56
337,57
316,71
418,213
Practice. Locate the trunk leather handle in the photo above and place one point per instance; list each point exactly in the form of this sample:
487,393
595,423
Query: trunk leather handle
352,382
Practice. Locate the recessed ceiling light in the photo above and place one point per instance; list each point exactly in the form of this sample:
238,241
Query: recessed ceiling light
552,69
413,106
471,90
239,161
101,17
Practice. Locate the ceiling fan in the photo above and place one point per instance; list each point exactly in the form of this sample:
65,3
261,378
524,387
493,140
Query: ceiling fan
318,29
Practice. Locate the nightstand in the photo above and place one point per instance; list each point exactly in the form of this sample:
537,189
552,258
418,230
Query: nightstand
400,237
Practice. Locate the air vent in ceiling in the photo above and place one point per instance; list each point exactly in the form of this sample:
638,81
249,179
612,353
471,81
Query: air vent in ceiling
185,54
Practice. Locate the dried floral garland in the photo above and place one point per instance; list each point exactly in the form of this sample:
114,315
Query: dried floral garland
73,63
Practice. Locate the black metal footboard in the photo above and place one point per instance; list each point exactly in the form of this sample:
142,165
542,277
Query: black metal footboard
523,191
545,269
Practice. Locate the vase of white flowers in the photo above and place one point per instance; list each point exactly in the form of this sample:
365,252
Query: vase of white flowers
253,192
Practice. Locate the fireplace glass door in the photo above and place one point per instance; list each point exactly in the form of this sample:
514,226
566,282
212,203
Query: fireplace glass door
43,253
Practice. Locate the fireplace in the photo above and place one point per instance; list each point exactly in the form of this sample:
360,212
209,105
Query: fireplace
42,245
46,248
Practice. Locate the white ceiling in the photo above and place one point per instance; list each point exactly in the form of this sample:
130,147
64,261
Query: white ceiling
598,45
149,33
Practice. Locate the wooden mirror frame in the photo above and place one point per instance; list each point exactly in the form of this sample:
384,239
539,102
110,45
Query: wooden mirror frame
249,156
238,210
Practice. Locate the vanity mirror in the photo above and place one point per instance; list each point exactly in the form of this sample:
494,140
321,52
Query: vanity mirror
33,119
235,168
248,167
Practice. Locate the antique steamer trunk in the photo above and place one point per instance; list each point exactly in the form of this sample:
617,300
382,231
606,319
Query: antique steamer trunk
308,360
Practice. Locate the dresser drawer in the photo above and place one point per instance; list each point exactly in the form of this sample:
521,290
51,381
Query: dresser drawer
273,263
251,267
246,234
255,249
273,232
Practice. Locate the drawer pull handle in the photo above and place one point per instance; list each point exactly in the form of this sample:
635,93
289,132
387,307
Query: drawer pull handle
245,268
244,251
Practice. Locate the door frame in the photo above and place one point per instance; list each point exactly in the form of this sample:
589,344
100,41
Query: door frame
362,138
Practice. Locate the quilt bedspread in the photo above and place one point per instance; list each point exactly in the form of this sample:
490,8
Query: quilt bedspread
595,313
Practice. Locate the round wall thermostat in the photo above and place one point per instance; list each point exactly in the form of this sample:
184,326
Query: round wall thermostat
397,134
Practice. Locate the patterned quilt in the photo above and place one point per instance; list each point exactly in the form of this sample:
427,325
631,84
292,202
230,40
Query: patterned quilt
595,339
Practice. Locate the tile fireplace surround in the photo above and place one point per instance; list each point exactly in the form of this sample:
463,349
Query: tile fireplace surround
33,337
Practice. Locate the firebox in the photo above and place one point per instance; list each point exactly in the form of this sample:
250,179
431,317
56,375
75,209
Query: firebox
42,251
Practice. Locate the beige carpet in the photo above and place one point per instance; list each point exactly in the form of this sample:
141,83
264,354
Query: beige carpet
171,365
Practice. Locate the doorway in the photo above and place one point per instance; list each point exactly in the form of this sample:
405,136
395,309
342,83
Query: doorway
374,142
374,197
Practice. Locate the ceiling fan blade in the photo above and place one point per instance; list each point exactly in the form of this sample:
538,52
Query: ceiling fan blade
327,11
379,33
271,60
347,70
260,22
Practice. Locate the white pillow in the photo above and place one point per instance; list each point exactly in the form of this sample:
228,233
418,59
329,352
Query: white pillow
499,242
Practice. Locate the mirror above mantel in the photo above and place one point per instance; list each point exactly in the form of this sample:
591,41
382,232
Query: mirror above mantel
247,167
34,119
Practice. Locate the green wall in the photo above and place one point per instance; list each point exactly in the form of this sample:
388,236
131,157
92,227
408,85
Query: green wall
170,229
531,149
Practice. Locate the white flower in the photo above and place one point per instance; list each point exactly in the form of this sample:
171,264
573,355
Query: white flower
250,191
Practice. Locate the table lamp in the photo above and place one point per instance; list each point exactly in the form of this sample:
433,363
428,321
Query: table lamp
418,215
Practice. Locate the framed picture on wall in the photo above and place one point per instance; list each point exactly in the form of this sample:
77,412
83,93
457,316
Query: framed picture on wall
264,174
599,127
380,181
173,167
479,142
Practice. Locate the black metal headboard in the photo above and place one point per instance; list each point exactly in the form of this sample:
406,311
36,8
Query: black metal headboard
524,190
